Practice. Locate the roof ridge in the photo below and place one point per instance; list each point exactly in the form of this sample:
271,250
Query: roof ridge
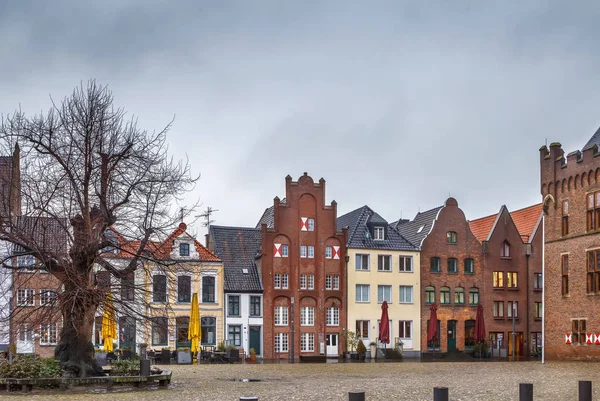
527,207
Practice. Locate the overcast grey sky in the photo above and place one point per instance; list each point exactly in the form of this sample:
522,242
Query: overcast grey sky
396,104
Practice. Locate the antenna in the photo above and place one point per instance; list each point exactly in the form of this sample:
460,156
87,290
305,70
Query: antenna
181,212
206,215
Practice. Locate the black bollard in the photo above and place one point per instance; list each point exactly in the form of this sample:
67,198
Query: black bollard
356,396
144,367
585,390
251,398
525,391
440,394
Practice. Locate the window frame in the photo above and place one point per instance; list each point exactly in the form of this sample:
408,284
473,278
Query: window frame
303,251
231,303
285,250
537,310
357,292
472,263
505,250
403,290
307,342
383,288
206,289
50,295
360,328
498,279
445,293
473,293
48,334
307,316
564,268
235,335
538,281
435,261
281,316
565,218
455,262
405,260
205,329
28,297
310,224
328,252
181,294
159,323
379,233
381,265
498,310
459,295
253,304
184,249
451,237
430,295
332,316
362,257
158,295
512,280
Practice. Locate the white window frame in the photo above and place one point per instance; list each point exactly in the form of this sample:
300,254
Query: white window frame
333,316
361,256
328,282
50,330
379,233
368,287
403,323
311,251
311,281
46,297
336,282
285,250
281,316
307,316
284,281
307,342
384,298
277,281
310,224
403,259
25,297
328,252
403,292
383,258
303,251
281,342
303,280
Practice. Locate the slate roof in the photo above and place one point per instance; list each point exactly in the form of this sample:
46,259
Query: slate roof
238,248
357,222
268,217
525,220
594,140
417,229
45,234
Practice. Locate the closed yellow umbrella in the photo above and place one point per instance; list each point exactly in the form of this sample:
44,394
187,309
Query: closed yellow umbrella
109,324
194,332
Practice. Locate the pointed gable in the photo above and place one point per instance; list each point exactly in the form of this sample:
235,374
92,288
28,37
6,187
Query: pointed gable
164,250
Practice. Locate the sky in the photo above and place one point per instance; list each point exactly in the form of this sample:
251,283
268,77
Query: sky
396,104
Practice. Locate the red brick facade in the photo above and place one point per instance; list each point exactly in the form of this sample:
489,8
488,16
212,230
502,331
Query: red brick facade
304,199
457,321
570,299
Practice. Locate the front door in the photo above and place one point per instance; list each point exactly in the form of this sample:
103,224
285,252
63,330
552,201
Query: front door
25,339
332,345
127,333
255,339
451,335
182,325
519,341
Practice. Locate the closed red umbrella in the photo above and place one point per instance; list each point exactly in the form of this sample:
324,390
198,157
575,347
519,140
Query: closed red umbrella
384,324
432,330
479,325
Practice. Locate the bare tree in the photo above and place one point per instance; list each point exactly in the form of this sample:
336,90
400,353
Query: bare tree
86,168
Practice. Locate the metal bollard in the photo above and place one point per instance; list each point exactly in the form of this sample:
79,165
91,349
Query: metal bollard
251,398
440,394
144,367
356,396
525,391
585,390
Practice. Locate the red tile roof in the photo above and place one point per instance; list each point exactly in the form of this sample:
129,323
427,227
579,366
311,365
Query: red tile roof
525,220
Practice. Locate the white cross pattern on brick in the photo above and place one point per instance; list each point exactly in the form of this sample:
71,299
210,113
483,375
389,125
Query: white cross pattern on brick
568,338
336,252
277,251
303,223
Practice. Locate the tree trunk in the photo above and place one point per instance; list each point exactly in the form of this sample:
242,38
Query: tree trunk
75,350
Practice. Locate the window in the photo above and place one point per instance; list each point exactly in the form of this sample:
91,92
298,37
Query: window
384,293
565,218
537,310
435,265
469,266
184,249
307,342
311,224
405,329
406,264
285,250
208,289
184,289
303,281
311,281
159,288
284,281
473,296
505,250
234,335
302,251
103,280
25,332
406,294
510,307
593,211
48,334
362,262
307,316
362,292
362,328
27,262
208,328
511,280
469,333
159,330
233,305
452,265
384,263
311,251
565,274
281,316
336,281
538,281
182,325
444,295
459,295
378,233
333,316
593,271
47,297
498,279
255,305
429,295
498,309
277,280
25,297
281,342
451,237
128,287
579,329
328,252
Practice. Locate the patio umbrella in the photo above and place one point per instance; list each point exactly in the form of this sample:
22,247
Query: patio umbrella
109,323
194,332
432,330
479,325
384,325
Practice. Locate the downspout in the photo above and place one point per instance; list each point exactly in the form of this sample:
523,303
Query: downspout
543,287
528,252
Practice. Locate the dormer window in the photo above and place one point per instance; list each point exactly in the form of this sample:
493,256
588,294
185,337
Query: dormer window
378,233
451,237
184,249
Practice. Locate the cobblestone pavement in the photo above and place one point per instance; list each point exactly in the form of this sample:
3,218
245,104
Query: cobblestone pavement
411,381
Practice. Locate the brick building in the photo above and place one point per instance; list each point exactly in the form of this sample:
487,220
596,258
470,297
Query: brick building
570,187
302,252
512,277
451,274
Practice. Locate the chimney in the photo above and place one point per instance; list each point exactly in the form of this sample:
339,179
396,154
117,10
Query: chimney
207,241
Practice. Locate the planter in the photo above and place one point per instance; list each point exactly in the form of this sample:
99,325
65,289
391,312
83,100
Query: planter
373,351
368,355
354,356
165,357
234,356
184,357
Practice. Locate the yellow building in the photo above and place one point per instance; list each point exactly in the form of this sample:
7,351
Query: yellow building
183,267
382,266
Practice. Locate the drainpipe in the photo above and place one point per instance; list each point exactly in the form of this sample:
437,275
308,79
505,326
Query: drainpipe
543,288
347,299
528,252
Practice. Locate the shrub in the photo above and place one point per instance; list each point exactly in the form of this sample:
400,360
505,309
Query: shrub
29,366
125,367
360,348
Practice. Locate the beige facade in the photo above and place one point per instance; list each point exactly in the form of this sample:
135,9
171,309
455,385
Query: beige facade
370,281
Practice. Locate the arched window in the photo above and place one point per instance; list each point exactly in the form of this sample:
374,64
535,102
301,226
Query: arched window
459,295
445,295
452,265
429,295
474,296
469,266
451,237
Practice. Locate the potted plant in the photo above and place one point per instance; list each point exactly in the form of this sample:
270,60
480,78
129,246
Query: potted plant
184,356
349,342
361,350
252,357
373,346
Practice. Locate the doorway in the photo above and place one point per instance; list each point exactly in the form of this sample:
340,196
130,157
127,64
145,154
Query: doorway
25,339
451,335
182,324
255,339
519,342
332,345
